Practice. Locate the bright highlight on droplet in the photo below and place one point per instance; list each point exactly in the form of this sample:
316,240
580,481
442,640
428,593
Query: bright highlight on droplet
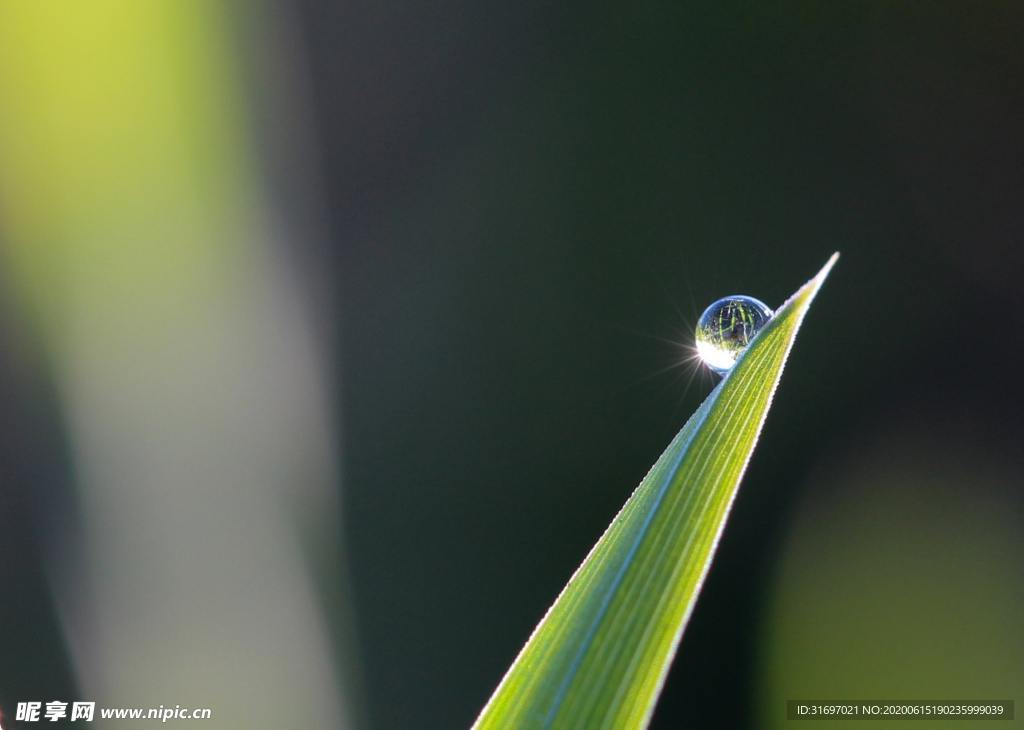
727,327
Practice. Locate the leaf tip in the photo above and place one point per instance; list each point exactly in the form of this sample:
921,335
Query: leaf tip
828,266
806,293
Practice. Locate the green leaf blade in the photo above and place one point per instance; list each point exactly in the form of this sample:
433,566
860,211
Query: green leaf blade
599,656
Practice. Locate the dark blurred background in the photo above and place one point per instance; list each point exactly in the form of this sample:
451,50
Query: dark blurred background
504,219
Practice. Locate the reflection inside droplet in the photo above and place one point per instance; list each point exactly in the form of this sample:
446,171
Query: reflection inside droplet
727,327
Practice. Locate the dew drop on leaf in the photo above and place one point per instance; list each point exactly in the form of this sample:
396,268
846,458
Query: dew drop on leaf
727,327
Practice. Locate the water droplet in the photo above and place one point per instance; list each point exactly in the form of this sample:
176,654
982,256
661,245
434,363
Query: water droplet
727,327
